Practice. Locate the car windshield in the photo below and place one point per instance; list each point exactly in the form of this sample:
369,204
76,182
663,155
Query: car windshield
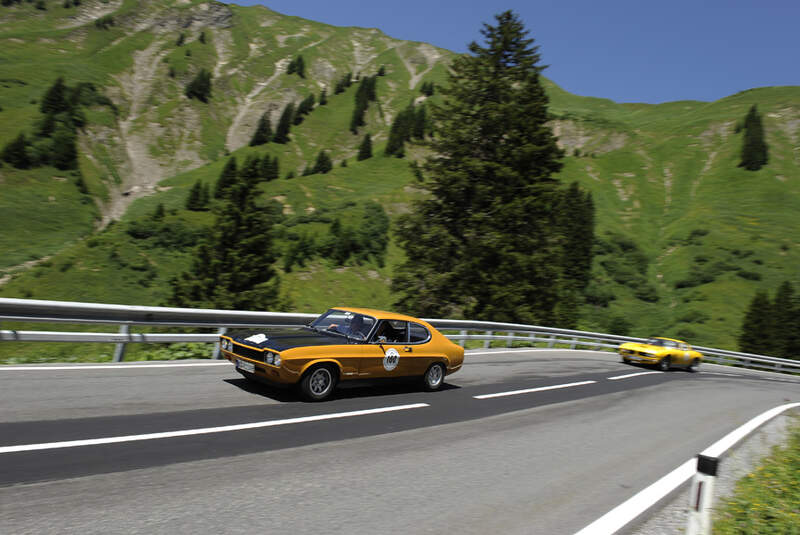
661,342
346,323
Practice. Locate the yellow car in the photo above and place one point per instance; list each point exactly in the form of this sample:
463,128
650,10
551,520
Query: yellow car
344,344
665,353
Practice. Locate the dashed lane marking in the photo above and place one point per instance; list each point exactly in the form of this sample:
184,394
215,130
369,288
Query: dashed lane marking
530,390
630,375
111,366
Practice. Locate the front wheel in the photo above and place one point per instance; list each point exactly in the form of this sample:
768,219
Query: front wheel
694,365
434,377
663,364
318,383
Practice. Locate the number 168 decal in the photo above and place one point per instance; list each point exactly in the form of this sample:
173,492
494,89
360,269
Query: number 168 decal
390,359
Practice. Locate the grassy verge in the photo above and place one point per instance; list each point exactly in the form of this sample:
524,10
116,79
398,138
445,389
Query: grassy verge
768,499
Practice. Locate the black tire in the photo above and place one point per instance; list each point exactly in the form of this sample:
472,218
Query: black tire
693,366
434,377
626,361
319,382
664,364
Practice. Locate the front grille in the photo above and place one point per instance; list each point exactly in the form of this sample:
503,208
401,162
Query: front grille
248,352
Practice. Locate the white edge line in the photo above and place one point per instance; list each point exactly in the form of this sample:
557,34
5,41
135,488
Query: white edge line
109,366
728,441
631,508
203,431
630,375
625,512
529,390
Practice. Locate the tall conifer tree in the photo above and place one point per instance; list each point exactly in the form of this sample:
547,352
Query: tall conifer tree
365,149
227,178
486,243
263,133
284,124
232,267
754,148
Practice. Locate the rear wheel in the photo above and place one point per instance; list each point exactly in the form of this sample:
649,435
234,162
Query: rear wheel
318,383
663,364
434,377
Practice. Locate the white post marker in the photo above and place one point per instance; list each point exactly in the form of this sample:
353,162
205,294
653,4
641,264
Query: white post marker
702,496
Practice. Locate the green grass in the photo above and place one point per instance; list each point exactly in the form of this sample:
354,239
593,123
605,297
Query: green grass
767,500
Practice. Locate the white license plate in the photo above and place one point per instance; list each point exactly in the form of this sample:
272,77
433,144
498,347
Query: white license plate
246,366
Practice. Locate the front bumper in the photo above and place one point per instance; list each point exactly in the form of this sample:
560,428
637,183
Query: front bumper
637,356
261,370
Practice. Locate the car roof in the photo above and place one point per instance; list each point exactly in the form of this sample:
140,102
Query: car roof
380,314
672,339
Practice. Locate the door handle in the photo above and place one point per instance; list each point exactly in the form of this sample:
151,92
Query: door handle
407,349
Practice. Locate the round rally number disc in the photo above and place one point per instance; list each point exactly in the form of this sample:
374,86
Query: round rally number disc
390,359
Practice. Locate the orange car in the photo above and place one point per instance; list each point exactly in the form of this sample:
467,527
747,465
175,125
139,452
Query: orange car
344,344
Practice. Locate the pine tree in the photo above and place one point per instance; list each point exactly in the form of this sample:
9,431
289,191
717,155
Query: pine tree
365,149
786,327
55,101
757,326
16,152
205,197
400,132
227,178
323,164
193,201
251,169
284,124
200,86
754,148
263,133
202,37
64,152
494,154
382,71
420,123
305,107
297,65
158,213
233,267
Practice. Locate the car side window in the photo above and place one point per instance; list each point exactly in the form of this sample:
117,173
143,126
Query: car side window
418,333
394,332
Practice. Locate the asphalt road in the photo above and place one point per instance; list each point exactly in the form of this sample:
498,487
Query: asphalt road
393,460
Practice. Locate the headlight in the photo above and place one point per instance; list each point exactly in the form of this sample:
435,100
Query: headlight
224,344
268,357
277,361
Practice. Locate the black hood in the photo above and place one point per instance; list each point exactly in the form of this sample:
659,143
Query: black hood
287,338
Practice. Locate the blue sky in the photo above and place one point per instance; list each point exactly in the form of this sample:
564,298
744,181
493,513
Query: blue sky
626,50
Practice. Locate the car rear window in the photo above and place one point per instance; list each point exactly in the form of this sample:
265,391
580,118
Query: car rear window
419,333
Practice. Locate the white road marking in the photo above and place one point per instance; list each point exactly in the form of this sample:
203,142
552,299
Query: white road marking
624,513
628,510
726,374
111,366
630,375
205,430
524,350
529,390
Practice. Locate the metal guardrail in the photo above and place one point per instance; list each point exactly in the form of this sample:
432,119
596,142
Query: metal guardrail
33,310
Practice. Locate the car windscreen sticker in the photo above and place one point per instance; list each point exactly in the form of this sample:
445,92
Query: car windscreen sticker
257,338
390,359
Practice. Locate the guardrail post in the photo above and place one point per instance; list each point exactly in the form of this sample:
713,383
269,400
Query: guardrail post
462,341
552,341
487,343
510,341
574,343
702,496
217,354
119,350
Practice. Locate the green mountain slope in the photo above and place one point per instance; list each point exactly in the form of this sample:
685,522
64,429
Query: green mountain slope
685,237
